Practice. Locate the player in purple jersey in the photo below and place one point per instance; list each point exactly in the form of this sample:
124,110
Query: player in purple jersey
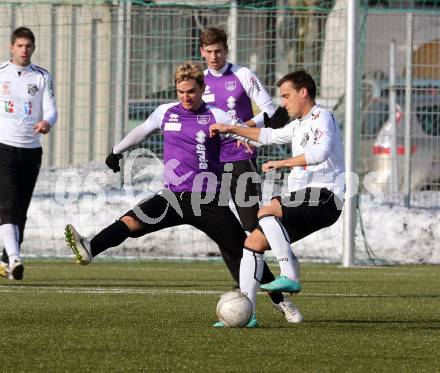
192,173
233,88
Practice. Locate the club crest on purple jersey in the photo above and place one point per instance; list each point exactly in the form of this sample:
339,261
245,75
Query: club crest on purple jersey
203,119
230,86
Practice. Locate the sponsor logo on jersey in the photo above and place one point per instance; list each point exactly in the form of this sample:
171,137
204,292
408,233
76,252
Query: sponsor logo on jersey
315,116
305,139
230,102
32,89
172,126
200,137
174,117
28,108
203,119
317,135
201,150
9,106
255,83
207,90
5,88
233,114
230,86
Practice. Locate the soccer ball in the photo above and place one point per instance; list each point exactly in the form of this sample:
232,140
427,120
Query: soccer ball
234,309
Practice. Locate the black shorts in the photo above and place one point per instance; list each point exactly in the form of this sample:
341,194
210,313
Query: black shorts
19,168
251,189
309,210
218,222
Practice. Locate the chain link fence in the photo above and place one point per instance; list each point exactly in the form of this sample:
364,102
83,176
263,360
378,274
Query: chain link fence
113,61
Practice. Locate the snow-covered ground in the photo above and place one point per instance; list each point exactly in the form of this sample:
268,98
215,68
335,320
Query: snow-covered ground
89,197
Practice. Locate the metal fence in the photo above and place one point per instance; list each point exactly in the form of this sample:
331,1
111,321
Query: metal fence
113,63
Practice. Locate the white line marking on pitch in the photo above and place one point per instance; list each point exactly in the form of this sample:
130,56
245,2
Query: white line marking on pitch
104,290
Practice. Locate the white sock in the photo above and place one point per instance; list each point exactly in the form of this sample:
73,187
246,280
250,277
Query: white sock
9,233
251,270
279,242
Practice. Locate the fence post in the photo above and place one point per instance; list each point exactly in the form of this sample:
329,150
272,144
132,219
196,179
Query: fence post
350,133
392,110
408,93
233,32
119,80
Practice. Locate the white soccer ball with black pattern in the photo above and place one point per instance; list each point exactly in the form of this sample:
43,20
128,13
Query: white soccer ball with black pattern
234,309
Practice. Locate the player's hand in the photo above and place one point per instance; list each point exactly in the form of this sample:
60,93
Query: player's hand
42,127
218,128
248,148
112,161
270,165
279,119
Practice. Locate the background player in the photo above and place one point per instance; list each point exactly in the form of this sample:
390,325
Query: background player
233,88
28,110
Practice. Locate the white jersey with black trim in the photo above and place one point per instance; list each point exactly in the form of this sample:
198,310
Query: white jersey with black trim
26,98
318,137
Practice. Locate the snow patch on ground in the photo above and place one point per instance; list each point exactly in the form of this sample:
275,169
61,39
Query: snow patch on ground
89,198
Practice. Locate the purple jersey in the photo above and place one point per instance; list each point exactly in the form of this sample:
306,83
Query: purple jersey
189,153
231,91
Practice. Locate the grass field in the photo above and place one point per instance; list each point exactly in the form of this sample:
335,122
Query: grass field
157,316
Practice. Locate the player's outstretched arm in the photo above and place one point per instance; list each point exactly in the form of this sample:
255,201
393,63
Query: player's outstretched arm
299,160
251,133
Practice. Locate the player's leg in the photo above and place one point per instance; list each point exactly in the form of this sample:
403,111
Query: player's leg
255,245
243,190
30,164
246,192
300,216
220,224
9,165
151,215
279,241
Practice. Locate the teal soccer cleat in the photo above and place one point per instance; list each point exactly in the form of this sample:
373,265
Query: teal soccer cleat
253,323
282,284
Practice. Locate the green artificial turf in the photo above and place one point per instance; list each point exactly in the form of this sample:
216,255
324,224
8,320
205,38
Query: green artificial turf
156,317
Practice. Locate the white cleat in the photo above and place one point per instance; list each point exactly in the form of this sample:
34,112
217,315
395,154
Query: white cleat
290,311
79,245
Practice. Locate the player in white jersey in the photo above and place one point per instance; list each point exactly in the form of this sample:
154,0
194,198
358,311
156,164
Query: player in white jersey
315,184
27,110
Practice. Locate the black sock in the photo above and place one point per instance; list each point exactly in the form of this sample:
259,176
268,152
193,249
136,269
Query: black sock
269,277
276,297
111,236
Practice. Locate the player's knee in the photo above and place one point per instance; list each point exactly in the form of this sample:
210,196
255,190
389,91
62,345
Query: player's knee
266,210
273,209
256,241
132,223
